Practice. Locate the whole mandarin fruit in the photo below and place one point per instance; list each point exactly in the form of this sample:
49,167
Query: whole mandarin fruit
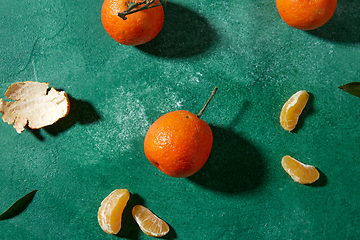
179,143
138,28
306,14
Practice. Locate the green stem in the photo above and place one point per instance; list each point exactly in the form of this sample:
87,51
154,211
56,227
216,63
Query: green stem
135,7
207,103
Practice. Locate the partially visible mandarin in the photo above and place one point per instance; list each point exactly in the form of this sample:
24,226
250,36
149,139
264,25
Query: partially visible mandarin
111,209
292,109
149,223
306,14
298,171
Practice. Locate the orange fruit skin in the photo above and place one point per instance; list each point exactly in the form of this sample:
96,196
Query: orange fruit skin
178,143
139,28
299,172
292,109
306,14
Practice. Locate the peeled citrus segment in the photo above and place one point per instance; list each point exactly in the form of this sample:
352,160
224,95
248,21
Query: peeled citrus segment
149,223
111,209
298,171
292,109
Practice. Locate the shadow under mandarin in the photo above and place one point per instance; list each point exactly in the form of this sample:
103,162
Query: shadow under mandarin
234,166
344,26
184,34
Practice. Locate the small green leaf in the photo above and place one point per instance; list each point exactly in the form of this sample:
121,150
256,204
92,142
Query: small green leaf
353,88
19,206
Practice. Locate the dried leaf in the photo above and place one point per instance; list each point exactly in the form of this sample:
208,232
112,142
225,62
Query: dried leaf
19,206
353,88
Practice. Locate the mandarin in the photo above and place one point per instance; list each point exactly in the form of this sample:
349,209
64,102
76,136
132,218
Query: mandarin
179,142
149,223
299,172
306,14
138,28
292,109
111,209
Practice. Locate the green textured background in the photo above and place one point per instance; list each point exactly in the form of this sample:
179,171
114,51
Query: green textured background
117,92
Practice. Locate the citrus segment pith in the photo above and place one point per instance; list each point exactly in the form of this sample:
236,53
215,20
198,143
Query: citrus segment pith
149,223
292,109
299,172
111,209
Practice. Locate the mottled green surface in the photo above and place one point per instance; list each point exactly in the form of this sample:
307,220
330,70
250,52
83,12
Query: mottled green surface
241,46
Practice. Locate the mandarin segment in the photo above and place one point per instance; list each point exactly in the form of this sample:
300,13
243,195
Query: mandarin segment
111,209
149,223
298,171
292,109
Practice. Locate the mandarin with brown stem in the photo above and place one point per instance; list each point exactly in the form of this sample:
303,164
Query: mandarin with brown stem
179,142
132,22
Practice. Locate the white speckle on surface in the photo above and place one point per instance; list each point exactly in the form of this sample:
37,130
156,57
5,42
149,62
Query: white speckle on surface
124,122
194,79
179,103
33,64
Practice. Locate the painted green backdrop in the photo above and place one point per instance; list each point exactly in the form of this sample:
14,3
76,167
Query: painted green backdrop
117,92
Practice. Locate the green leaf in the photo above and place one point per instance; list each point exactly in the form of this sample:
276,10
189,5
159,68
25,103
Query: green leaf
19,206
353,88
